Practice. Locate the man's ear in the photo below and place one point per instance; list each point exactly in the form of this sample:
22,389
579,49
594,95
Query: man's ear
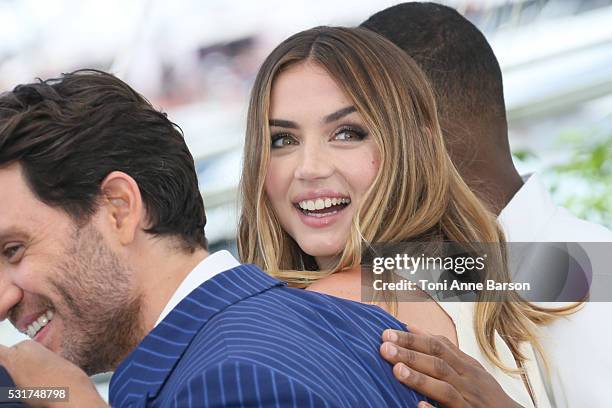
123,202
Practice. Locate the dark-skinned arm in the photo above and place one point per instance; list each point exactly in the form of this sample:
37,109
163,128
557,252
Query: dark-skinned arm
435,367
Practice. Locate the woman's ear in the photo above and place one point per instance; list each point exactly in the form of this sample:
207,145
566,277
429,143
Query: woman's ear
124,208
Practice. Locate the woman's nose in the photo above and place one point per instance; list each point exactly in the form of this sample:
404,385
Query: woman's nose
314,162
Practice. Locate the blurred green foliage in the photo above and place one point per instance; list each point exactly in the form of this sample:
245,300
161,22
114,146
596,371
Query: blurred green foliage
591,163
583,182
523,154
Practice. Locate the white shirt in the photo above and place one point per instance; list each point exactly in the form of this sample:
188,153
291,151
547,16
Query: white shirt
210,266
579,347
462,314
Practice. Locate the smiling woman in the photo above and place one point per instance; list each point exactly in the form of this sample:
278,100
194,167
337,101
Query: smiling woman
343,149
312,182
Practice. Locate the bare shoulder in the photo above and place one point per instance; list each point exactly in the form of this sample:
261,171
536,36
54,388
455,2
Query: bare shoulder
342,285
428,316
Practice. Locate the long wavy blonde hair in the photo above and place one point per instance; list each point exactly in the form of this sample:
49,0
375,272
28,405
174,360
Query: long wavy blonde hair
416,195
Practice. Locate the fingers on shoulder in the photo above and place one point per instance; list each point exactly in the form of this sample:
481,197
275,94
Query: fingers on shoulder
440,391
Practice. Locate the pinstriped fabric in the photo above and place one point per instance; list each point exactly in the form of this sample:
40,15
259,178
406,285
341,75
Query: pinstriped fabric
244,339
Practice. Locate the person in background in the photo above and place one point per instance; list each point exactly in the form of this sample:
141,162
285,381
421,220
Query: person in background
467,82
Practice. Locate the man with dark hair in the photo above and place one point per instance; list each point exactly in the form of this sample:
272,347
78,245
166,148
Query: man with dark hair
73,141
103,261
105,116
467,83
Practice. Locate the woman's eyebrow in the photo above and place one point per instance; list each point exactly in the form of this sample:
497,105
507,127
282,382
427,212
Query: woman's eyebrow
283,123
332,117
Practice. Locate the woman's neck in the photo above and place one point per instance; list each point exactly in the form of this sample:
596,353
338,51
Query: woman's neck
326,263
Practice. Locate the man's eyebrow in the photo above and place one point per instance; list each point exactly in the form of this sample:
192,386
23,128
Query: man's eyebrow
332,117
11,233
283,123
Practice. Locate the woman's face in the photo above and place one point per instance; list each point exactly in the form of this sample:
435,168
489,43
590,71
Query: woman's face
322,160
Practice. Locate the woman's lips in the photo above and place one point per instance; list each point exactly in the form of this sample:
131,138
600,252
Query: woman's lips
320,193
318,218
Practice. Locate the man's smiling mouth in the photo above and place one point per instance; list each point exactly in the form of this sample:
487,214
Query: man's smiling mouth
38,324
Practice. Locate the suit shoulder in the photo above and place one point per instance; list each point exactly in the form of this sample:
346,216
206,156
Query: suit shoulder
283,305
326,344
293,324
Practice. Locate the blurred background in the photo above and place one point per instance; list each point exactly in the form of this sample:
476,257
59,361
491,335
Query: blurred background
196,60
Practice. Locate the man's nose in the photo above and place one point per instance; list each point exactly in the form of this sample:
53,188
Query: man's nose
10,295
314,162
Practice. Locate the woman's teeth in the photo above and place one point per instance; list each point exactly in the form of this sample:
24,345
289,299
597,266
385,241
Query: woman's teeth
321,203
39,323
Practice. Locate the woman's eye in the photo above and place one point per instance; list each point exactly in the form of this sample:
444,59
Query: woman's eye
349,134
11,252
282,140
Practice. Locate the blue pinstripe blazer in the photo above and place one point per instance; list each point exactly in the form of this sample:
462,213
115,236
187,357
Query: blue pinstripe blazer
244,339
7,381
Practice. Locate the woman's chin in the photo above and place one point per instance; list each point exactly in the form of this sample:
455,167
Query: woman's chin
326,257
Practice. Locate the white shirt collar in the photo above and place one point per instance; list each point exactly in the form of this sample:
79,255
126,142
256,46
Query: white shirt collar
528,212
210,266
